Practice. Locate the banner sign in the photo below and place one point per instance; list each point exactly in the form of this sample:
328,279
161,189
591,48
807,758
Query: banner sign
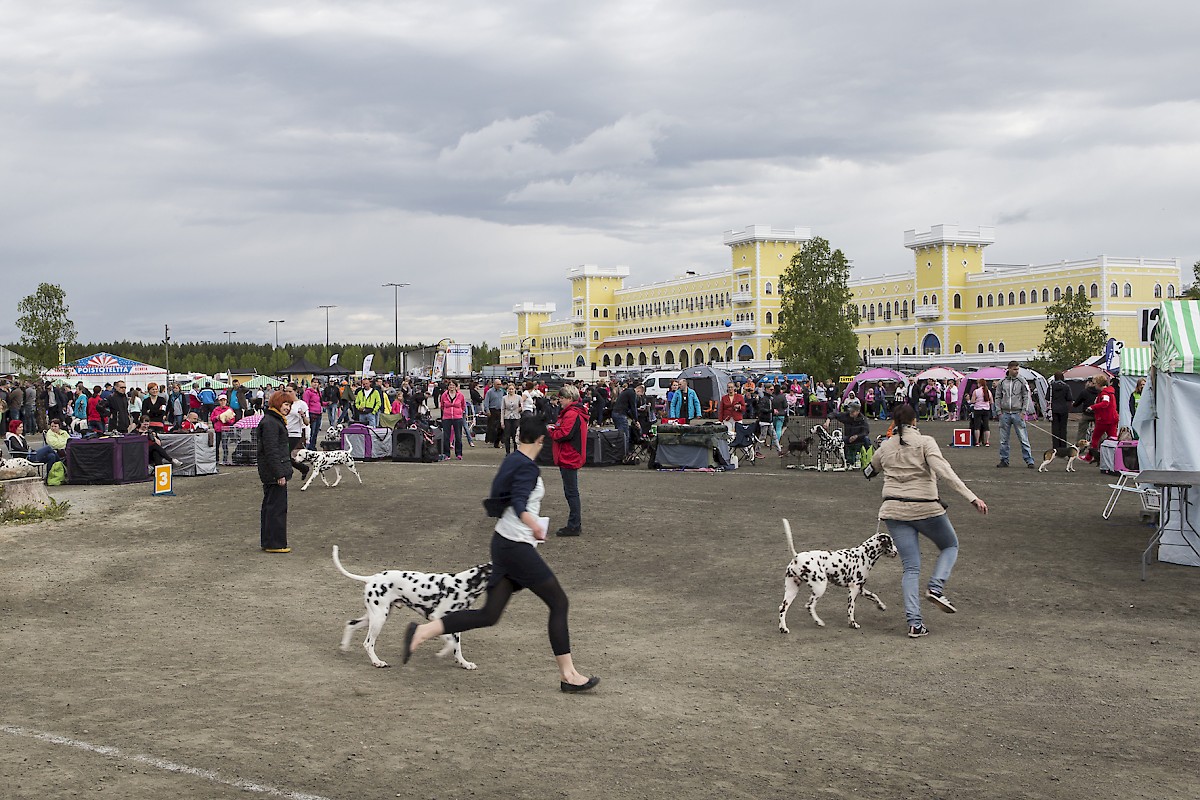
366,369
439,364
1148,318
333,359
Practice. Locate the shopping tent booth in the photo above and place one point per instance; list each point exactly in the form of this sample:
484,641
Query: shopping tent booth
1135,365
101,368
1168,419
874,377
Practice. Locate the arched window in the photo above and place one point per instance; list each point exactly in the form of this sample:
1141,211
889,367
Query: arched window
980,347
595,336
596,313
767,288
887,311
863,314
1012,299
904,351
768,317
1057,294
1158,290
925,300
957,349
745,353
1000,299
669,358
1170,290
617,360
990,301
1000,347
1094,291
641,359
1045,295
1022,297
1112,290
979,301
889,351
957,300
1069,293
606,313
1080,290
779,318
699,356
935,299
1128,290
607,360
728,354
629,359
904,310
533,342
991,347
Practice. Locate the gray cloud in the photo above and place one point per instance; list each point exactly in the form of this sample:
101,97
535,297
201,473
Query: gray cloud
217,164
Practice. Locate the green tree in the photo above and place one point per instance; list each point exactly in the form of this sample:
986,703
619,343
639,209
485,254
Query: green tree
44,325
1193,292
1071,336
483,356
816,319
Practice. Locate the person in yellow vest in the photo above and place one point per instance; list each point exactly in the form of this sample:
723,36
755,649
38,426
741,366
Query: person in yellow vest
367,402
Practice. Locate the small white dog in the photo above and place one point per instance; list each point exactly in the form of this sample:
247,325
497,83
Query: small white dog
322,461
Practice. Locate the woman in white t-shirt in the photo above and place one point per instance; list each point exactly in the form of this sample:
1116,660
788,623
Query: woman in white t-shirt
529,398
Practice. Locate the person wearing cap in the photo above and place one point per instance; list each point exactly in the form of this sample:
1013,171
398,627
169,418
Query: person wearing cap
857,432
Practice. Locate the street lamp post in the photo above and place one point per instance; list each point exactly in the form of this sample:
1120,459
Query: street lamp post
274,322
229,336
326,324
396,289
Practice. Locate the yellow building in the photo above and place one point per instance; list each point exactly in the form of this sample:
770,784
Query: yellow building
953,303
952,306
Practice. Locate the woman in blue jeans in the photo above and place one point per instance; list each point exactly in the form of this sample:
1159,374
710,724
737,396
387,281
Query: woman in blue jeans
912,464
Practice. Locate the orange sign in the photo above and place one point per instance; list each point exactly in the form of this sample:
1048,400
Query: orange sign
162,479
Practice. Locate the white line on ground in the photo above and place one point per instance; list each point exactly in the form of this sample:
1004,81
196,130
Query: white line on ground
160,763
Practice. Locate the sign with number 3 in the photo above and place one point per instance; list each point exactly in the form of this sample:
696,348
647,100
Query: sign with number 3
162,479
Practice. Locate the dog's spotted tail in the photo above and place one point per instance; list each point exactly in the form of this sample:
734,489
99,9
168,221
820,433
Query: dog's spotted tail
342,569
787,530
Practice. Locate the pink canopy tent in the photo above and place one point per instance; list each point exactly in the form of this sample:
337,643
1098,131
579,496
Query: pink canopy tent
877,375
984,374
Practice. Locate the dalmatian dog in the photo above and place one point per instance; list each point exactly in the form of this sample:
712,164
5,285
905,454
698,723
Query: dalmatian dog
432,595
831,448
322,461
333,433
819,568
18,463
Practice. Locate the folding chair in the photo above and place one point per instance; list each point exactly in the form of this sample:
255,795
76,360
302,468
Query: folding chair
1151,498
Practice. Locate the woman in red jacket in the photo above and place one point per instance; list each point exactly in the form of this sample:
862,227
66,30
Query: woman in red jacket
731,409
570,450
454,408
1107,414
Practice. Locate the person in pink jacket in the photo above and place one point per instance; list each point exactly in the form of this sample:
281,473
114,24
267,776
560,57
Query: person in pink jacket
312,399
454,407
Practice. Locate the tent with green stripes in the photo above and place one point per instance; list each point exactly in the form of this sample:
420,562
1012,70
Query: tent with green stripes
1135,366
1168,418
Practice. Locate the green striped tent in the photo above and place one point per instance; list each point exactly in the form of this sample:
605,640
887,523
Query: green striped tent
1136,361
1177,337
262,381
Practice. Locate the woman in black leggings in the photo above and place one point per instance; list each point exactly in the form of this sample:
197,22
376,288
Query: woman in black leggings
516,564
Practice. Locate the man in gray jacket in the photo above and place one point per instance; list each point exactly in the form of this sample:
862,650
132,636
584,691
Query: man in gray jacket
493,403
1012,398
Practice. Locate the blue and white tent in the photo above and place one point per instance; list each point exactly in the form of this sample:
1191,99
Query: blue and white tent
101,368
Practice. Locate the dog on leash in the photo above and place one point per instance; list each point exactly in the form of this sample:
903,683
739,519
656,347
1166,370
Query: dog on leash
1070,452
432,595
797,447
819,568
322,461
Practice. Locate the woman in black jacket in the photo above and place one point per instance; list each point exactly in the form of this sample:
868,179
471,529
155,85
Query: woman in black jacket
274,470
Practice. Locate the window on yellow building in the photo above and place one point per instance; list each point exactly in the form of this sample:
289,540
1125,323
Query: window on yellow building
1069,293
925,300
768,317
767,288
1158,290
1080,290
1170,290
606,313
1045,295
1022,297
957,300
1128,290
1112,290
990,301
979,301
1011,299
1057,294
980,347
595,336
1000,299
1001,347
935,299
957,348
991,347
904,310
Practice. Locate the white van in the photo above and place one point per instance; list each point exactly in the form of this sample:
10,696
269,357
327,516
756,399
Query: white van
659,383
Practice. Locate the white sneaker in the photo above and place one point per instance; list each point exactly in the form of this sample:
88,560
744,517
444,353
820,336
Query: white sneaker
940,600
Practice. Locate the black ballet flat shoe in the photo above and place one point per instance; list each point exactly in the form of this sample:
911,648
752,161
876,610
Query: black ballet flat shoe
571,688
409,632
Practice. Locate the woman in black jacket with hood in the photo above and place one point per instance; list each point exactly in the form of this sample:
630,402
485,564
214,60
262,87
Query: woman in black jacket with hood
274,470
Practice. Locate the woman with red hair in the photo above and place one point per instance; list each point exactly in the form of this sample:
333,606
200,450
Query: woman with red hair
274,470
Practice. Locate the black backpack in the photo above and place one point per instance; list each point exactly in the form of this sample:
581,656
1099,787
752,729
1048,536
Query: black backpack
541,407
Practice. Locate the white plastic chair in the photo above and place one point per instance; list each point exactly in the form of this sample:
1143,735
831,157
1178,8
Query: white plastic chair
1150,497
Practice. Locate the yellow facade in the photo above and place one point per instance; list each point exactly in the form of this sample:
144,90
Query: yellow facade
952,303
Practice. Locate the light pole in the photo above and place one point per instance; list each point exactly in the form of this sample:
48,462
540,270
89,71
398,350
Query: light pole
229,336
396,290
274,322
870,352
326,324
897,351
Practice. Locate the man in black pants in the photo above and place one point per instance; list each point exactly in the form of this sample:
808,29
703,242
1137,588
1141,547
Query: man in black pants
1060,409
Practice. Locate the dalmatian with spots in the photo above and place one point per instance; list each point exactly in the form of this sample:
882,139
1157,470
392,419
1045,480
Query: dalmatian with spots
324,461
17,463
819,568
432,595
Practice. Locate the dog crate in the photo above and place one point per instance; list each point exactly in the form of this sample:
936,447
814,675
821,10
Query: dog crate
367,444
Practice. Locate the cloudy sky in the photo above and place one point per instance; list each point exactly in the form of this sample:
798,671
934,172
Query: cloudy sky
217,164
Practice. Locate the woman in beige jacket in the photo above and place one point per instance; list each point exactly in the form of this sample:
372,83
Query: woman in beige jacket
912,464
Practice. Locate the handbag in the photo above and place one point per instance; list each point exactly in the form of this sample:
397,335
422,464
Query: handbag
496,506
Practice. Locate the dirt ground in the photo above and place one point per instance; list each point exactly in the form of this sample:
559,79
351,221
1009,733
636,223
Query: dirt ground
155,626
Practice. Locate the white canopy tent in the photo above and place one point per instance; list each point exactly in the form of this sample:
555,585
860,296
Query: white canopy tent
101,368
1168,417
